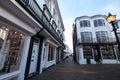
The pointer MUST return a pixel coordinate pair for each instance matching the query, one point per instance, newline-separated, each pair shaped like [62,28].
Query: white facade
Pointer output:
[29,43]
[15,27]
[53,14]
[90,41]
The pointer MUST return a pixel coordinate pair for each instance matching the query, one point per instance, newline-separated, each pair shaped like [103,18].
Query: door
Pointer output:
[97,54]
[34,58]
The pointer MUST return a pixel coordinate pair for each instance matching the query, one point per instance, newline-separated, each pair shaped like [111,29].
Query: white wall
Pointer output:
[24,57]
[40,3]
[93,29]
[107,27]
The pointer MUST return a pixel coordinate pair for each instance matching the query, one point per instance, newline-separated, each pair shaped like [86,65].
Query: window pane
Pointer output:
[86,36]
[3,32]
[12,52]
[99,22]
[95,23]
[85,23]
[118,36]
[87,50]
[81,25]
[102,36]
[107,52]
[50,53]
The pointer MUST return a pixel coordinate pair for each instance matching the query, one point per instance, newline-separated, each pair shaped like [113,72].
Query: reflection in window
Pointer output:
[87,50]
[85,23]
[50,53]
[99,22]
[54,15]
[86,37]
[102,36]
[107,52]
[3,33]
[118,36]
[11,52]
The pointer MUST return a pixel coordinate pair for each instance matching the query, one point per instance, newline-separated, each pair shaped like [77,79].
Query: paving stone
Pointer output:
[68,70]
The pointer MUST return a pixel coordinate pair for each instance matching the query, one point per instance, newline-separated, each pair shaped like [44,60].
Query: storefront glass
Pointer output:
[51,53]
[11,47]
[87,50]
[14,78]
[107,52]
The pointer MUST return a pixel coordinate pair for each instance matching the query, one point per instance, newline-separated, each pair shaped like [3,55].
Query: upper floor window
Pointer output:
[54,15]
[86,36]
[50,53]
[48,2]
[102,36]
[85,23]
[99,22]
[118,35]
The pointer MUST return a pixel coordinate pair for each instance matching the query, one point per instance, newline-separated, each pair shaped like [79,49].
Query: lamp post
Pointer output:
[112,20]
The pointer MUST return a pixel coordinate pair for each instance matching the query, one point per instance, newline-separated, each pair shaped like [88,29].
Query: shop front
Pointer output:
[105,54]
[11,51]
[48,54]
[34,56]
[51,56]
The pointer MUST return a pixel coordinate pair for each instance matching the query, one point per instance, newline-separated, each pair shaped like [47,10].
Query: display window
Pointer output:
[87,50]
[107,52]
[50,53]
[11,47]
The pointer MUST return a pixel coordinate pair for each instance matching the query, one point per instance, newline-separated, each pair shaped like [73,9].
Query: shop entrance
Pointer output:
[34,58]
[97,54]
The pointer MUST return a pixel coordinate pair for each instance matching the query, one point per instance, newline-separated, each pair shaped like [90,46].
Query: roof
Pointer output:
[90,16]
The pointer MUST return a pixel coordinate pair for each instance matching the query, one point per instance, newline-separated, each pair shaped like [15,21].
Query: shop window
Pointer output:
[50,53]
[11,47]
[87,50]
[107,52]
[14,78]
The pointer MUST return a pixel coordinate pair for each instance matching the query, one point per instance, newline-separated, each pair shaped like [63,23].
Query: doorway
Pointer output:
[34,57]
[97,54]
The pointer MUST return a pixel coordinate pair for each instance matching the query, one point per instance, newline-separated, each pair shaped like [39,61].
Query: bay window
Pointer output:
[85,23]
[99,22]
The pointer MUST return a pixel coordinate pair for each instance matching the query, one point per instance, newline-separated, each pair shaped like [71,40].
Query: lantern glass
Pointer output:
[111,18]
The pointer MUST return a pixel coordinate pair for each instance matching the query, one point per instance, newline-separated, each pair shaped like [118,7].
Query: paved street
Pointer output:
[68,70]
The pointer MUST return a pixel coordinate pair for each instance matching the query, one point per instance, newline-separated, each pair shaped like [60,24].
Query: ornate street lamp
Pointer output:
[112,20]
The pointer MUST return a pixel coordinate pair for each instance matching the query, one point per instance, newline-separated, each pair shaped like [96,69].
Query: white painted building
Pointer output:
[31,37]
[68,52]
[94,41]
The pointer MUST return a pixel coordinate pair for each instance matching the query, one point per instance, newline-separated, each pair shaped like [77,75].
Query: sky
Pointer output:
[70,9]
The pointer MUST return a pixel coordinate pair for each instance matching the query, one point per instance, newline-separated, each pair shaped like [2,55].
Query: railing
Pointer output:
[95,40]
[35,11]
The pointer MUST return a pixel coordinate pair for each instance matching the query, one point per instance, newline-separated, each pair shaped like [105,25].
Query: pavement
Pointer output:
[68,70]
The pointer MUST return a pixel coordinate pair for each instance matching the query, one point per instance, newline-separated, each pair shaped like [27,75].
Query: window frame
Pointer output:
[85,23]
[99,22]
[86,37]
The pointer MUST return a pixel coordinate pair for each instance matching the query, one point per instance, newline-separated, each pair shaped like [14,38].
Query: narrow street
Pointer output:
[68,70]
